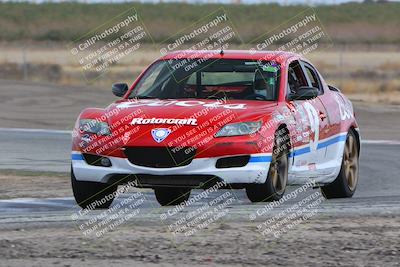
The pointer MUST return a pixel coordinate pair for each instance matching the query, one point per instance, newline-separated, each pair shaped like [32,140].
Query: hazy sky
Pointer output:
[283,2]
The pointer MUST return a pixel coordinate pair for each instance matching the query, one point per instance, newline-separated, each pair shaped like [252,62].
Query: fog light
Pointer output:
[232,162]
[105,162]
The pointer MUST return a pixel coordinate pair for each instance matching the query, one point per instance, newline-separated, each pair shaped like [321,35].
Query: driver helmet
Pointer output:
[265,81]
[260,84]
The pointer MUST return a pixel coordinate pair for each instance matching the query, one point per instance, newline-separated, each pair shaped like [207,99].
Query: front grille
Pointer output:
[160,157]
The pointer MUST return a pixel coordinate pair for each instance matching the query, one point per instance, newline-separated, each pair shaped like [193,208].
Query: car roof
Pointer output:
[278,56]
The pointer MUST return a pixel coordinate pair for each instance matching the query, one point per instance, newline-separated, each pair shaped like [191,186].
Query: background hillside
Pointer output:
[347,23]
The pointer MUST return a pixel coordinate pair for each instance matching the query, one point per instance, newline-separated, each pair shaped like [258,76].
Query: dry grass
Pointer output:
[375,91]
[346,23]
[366,75]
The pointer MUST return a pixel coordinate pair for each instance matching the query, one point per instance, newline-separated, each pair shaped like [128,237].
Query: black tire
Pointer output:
[270,190]
[169,196]
[345,184]
[92,195]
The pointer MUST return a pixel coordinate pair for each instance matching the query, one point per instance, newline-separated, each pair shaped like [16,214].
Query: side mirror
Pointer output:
[119,89]
[304,93]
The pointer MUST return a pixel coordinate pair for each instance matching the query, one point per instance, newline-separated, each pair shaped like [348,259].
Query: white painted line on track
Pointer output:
[381,142]
[30,200]
[26,130]
[52,131]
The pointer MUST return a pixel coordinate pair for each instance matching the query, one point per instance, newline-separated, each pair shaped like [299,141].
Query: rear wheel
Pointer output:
[168,196]
[92,195]
[275,184]
[346,183]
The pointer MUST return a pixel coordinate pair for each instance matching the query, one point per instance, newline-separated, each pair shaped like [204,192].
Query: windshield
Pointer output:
[209,79]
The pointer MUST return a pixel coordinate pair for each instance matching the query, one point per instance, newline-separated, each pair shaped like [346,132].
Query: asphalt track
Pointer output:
[378,190]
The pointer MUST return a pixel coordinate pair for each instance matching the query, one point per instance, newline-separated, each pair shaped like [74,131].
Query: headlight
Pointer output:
[241,128]
[94,126]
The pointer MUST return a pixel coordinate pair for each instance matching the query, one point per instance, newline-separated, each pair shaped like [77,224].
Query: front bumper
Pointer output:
[255,171]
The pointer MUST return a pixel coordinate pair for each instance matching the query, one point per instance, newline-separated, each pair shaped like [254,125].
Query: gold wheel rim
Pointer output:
[351,162]
[278,172]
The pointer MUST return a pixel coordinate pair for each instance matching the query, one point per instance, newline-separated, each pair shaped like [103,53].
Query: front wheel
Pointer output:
[275,184]
[92,195]
[169,196]
[346,183]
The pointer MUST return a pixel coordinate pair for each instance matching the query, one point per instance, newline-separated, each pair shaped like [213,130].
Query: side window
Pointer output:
[313,77]
[296,77]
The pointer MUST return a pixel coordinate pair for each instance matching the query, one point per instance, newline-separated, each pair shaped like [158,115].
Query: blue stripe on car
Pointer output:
[302,151]
[332,141]
[260,159]
[76,157]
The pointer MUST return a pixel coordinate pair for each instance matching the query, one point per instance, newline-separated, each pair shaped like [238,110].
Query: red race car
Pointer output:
[239,119]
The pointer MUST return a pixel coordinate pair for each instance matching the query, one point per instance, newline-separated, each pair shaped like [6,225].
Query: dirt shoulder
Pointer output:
[322,241]
[25,184]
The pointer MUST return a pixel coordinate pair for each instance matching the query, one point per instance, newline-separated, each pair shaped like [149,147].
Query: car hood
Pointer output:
[201,112]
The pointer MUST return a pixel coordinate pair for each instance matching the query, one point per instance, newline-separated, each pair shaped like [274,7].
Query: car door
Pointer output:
[320,116]
[311,122]
[338,110]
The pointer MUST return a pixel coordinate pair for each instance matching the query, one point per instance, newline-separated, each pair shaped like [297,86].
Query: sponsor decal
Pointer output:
[312,166]
[306,137]
[160,134]
[143,121]
[188,103]
[345,108]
